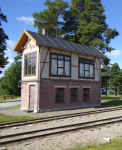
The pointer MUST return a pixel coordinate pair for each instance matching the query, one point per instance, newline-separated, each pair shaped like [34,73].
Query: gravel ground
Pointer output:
[10,103]
[70,139]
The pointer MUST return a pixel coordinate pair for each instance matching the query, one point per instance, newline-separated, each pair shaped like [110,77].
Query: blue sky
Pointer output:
[19,17]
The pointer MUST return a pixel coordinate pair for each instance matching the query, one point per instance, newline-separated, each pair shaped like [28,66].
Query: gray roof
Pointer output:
[65,45]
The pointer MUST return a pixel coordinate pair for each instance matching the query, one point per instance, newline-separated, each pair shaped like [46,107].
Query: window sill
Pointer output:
[73,101]
[59,102]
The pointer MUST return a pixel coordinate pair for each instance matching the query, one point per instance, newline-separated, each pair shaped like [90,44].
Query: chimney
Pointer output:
[44,31]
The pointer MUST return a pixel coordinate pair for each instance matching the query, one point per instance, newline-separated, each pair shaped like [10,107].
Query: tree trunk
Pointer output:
[106,90]
[56,25]
[115,91]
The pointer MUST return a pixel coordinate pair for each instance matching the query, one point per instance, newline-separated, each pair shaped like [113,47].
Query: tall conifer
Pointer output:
[88,25]
[49,18]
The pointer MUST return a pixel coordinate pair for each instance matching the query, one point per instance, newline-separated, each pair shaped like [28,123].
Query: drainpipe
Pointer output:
[100,80]
[39,76]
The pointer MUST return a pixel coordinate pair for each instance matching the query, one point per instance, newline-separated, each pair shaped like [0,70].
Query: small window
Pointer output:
[85,94]
[59,95]
[73,94]
[30,64]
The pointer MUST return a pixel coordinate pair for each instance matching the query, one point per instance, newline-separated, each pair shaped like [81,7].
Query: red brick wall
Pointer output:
[48,94]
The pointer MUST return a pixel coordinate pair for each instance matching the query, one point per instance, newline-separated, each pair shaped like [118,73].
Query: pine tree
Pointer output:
[49,18]
[105,75]
[114,77]
[3,38]
[89,25]
[120,82]
[71,18]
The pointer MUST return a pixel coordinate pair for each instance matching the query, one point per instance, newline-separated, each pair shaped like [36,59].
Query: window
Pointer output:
[73,94]
[86,68]
[30,64]
[85,93]
[60,65]
[59,94]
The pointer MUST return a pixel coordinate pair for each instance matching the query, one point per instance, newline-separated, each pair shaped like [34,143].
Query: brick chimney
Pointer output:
[44,31]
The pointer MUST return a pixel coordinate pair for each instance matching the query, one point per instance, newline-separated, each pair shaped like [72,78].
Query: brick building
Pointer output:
[58,74]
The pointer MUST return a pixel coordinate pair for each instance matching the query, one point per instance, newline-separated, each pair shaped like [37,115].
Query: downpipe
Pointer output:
[39,76]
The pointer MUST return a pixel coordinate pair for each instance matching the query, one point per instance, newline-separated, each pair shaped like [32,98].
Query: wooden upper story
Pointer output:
[57,63]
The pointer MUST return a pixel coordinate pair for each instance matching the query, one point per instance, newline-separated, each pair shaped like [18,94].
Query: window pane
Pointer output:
[33,65]
[91,62]
[59,94]
[86,61]
[81,60]
[60,63]
[67,68]
[29,61]
[53,67]
[53,56]
[26,64]
[86,73]
[29,55]
[67,58]
[86,94]
[26,56]
[60,71]
[81,70]
[33,54]
[86,66]
[91,71]
[60,57]
[29,69]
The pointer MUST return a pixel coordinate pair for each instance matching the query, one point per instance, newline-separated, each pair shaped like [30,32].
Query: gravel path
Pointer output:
[69,139]
[10,103]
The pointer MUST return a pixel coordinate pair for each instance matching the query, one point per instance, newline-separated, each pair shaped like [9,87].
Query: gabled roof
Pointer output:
[62,44]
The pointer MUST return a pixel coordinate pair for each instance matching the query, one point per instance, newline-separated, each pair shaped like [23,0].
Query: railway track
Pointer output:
[12,138]
[8,125]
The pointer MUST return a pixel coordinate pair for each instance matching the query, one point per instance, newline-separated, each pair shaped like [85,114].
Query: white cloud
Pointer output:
[28,20]
[10,43]
[114,53]
[8,53]
[6,67]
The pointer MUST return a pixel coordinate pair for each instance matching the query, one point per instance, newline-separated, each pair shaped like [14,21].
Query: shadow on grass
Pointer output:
[112,102]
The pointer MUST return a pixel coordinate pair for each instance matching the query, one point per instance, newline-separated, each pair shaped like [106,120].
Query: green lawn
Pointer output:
[14,107]
[115,144]
[8,98]
[7,119]
[111,96]
[111,102]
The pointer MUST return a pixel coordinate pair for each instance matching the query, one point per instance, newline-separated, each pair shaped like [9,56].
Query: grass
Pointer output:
[111,96]
[7,98]
[111,102]
[7,119]
[14,107]
[115,144]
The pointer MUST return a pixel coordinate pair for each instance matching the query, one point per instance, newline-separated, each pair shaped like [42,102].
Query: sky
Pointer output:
[19,17]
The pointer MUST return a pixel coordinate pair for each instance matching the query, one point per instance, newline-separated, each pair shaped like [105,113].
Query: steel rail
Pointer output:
[59,127]
[56,118]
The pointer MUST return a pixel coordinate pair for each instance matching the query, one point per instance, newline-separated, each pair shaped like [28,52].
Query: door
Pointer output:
[32,90]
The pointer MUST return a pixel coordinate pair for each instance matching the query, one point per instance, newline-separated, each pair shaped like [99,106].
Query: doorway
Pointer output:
[32,90]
